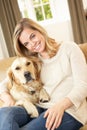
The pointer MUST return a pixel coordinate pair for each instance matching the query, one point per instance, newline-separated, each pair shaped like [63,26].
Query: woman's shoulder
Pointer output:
[68,45]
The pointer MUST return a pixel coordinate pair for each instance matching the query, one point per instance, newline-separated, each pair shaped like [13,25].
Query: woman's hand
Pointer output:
[55,114]
[7,99]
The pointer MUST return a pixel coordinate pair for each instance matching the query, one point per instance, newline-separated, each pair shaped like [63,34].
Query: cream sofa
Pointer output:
[5,63]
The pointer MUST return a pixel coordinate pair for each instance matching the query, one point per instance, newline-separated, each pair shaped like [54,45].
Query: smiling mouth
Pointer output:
[37,47]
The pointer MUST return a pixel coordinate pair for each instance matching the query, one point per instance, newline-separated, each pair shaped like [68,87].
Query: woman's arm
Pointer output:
[5,96]
[3,85]
[7,99]
[79,73]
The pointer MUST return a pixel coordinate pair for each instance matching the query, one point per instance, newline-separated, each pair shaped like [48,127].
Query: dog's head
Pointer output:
[24,70]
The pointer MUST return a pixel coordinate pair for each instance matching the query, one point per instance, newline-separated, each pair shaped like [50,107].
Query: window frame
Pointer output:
[29,6]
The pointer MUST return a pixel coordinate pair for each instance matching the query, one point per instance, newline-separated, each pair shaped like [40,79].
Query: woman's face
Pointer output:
[32,40]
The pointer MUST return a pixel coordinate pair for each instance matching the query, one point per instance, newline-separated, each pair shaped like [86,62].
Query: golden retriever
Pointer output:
[25,85]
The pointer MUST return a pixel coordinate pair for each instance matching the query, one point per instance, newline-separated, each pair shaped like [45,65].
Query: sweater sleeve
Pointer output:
[3,85]
[79,72]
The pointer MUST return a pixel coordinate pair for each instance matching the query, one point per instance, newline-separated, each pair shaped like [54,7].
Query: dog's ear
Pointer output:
[9,73]
[10,76]
[37,63]
[37,66]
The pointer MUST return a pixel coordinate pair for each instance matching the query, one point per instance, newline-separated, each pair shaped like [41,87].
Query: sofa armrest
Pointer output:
[4,65]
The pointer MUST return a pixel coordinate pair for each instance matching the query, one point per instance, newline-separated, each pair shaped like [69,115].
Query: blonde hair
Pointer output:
[51,45]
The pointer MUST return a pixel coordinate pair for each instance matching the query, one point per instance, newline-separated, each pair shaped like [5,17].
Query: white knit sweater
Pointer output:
[65,75]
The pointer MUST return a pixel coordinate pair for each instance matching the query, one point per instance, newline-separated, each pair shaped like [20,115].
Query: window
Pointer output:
[45,11]
[40,9]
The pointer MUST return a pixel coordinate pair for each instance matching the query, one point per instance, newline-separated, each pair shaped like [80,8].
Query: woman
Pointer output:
[64,74]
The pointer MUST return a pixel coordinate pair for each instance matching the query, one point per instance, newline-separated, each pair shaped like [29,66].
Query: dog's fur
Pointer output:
[25,85]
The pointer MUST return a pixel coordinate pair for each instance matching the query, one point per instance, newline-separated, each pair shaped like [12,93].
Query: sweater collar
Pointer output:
[49,60]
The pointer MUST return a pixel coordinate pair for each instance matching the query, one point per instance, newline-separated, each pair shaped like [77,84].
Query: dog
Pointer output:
[25,85]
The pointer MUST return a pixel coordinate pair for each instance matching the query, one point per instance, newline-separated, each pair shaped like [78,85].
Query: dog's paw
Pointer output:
[19,103]
[30,108]
[44,97]
[34,113]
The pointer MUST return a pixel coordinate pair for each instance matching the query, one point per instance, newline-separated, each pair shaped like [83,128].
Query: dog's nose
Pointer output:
[26,74]
[32,92]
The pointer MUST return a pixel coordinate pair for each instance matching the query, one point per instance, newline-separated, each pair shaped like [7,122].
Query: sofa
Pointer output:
[5,63]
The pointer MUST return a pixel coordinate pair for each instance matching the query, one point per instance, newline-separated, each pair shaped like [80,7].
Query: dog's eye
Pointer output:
[17,68]
[28,63]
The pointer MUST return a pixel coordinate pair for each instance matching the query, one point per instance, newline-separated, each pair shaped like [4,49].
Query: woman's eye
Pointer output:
[32,36]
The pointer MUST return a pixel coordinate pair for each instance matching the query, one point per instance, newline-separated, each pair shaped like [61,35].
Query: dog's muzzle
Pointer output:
[28,76]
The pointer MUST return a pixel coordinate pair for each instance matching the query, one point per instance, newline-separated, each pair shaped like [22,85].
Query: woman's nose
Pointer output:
[32,43]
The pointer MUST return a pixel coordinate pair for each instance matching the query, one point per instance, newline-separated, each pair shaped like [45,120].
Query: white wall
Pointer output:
[60,31]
